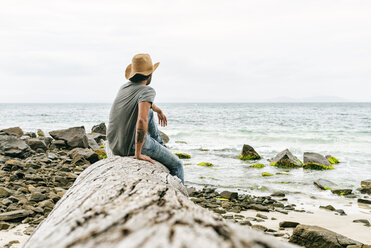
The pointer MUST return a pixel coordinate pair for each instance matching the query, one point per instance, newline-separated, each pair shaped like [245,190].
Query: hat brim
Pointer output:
[129,73]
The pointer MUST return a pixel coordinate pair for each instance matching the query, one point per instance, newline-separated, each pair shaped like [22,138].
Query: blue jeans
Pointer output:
[153,147]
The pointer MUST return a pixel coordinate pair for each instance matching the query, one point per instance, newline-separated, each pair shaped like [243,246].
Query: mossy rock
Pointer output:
[101,146]
[315,166]
[266,174]
[332,159]
[182,155]
[101,154]
[248,153]
[286,159]
[206,164]
[257,166]
[181,142]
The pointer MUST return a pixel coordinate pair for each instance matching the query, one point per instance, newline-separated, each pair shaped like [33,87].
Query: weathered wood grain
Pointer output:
[124,202]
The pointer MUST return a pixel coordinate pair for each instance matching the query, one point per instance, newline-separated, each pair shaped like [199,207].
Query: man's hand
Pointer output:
[144,157]
[162,120]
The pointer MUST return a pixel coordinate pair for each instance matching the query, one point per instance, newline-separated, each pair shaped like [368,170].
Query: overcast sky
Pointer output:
[209,51]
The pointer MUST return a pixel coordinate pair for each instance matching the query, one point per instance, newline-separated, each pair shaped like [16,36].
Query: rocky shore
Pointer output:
[36,170]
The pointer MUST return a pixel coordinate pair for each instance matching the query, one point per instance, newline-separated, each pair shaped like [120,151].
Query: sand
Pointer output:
[15,233]
[324,218]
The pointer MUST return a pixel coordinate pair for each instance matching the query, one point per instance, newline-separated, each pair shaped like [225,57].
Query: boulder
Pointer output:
[17,131]
[73,137]
[316,161]
[165,138]
[324,184]
[100,128]
[35,143]
[13,146]
[342,191]
[79,153]
[248,153]
[315,236]
[285,159]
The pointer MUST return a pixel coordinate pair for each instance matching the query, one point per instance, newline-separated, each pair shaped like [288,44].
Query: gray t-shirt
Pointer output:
[124,114]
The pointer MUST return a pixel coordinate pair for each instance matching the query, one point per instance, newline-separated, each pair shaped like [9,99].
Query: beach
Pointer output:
[215,134]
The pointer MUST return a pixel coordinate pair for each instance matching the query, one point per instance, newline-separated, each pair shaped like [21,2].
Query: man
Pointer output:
[132,129]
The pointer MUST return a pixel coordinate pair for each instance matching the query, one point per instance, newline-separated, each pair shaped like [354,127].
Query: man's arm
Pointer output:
[141,130]
[162,120]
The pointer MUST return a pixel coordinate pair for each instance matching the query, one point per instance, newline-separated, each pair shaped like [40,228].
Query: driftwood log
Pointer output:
[124,202]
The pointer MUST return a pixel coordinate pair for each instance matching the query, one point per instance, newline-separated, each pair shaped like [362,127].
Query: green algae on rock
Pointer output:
[266,174]
[315,166]
[206,164]
[182,155]
[285,159]
[257,166]
[332,159]
[248,153]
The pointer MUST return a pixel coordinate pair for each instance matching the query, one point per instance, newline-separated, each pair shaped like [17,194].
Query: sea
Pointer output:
[216,133]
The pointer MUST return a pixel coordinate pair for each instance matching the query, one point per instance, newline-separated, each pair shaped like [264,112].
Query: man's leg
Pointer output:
[153,129]
[161,154]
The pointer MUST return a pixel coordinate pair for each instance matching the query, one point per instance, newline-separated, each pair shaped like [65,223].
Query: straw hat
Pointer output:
[140,64]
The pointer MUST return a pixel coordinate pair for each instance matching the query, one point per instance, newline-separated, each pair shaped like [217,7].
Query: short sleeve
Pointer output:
[147,95]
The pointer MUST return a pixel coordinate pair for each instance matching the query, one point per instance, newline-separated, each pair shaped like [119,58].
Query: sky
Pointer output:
[209,51]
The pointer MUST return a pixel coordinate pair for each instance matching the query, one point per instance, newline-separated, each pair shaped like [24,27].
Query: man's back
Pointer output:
[124,114]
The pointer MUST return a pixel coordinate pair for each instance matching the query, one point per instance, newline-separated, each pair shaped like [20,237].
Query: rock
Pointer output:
[37,196]
[278,194]
[328,207]
[182,155]
[364,201]
[97,136]
[73,137]
[364,221]
[332,159]
[366,183]
[35,143]
[4,192]
[40,133]
[4,225]
[266,174]
[229,195]
[30,134]
[17,131]
[14,147]
[316,161]
[288,224]
[324,184]
[16,214]
[259,227]
[206,164]
[100,128]
[101,153]
[258,207]
[342,191]
[165,138]
[248,153]
[88,154]
[92,143]
[315,236]
[262,216]
[285,159]
[58,143]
